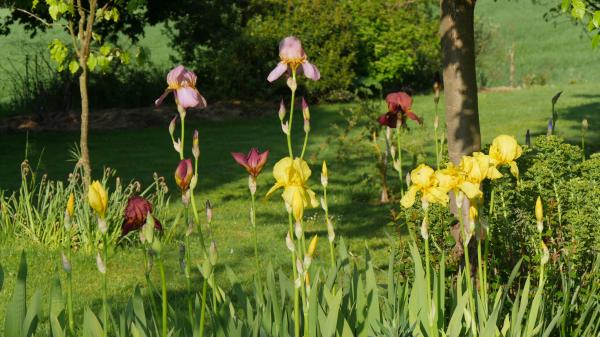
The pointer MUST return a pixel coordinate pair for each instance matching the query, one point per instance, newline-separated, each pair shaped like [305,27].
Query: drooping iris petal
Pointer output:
[389,119]
[277,72]
[311,71]
[187,97]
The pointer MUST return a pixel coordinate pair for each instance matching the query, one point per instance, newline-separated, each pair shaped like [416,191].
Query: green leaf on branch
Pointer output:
[92,62]
[105,49]
[596,19]
[58,53]
[73,66]
[578,10]
[565,5]
[596,41]
[125,57]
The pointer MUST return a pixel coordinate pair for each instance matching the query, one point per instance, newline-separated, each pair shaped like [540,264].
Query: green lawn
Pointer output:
[136,154]
[557,51]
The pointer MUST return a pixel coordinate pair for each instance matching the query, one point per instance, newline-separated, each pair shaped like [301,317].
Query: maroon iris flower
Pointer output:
[135,215]
[399,107]
[184,174]
[253,162]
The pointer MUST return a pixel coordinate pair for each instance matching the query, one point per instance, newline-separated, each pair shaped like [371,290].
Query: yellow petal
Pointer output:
[313,198]
[71,204]
[297,205]
[303,169]
[493,173]
[539,209]
[421,176]
[312,246]
[514,169]
[273,189]
[470,190]
[436,195]
[288,194]
[409,197]
[281,170]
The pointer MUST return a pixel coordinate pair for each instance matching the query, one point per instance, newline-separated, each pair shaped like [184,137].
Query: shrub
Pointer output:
[352,43]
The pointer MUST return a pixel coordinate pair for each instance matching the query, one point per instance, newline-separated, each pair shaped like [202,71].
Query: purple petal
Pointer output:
[253,157]
[240,158]
[187,97]
[162,97]
[202,103]
[262,160]
[277,72]
[311,71]
[174,75]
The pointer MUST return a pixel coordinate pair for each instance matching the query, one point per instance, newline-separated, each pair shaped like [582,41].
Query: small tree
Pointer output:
[90,25]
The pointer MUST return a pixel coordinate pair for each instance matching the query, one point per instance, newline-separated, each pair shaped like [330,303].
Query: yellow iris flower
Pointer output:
[292,175]
[98,198]
[453,179]
[478,167]
[504,151]
[424,180]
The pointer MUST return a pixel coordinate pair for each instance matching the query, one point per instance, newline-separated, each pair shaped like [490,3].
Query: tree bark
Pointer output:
[84,53]
[85,111]
[460,80]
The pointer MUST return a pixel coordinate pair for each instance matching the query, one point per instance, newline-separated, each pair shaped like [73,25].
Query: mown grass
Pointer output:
[136,154]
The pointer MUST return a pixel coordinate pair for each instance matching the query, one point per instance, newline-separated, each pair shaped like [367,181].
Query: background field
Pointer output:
[558,51]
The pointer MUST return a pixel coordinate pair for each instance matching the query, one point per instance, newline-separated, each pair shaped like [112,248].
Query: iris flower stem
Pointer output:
[304,145]
[427,272]
[163,282]
[182,136]
[214,292]
[296,290]
[291,120]
[70,289]
[435,135]
[400,175]
[104,285]
[331,250]
[253,215]
[150,284]
[467,267]
[187,270]
[305,305]
[480,264]
[583,144]
[203,310]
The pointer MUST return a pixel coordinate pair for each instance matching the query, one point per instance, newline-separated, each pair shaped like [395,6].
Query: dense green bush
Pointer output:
[353,43]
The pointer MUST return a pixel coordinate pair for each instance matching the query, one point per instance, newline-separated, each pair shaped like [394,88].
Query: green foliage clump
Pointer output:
[353,43]
[568,187]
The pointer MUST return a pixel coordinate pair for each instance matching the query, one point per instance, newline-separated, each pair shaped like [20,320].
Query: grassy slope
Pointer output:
[138,153]
[557,49]
[16,47]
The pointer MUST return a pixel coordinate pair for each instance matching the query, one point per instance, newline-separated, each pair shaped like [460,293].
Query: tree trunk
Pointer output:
[460,81]
[85,111]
